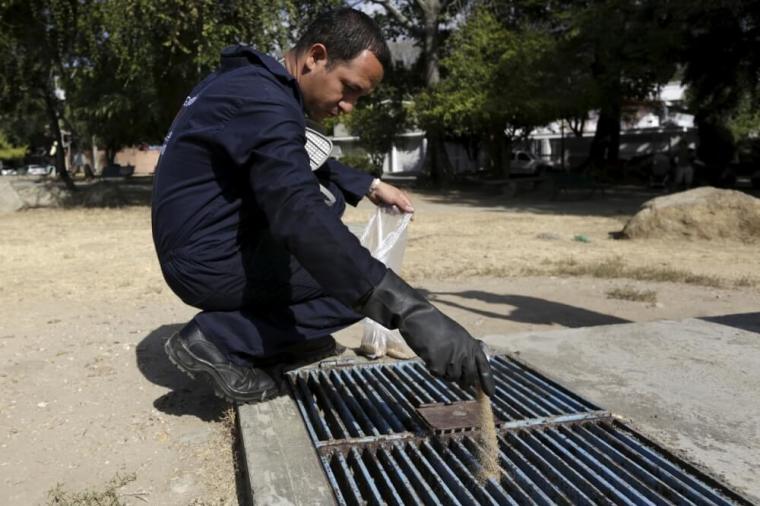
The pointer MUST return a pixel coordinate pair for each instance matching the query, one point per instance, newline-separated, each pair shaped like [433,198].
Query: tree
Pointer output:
[37,53]
[381,116]
[125,66]
[145,56]
[721,69]
[425,21]
[615,52]
[495,85]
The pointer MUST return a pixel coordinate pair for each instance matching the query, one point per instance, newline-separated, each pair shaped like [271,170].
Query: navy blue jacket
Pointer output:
[233,166]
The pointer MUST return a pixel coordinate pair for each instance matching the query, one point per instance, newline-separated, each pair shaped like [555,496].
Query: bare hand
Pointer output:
[385,194]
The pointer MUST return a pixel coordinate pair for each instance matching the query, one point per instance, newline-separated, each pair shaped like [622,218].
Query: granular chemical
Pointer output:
[489,453]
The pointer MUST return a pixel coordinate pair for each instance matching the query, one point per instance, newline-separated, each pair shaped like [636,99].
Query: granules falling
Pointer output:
[489,453]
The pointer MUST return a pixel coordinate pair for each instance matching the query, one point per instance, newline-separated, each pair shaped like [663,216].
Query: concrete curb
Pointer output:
[281,464]
[280,461]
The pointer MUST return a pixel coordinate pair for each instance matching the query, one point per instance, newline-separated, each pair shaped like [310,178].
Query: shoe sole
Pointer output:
[191,365]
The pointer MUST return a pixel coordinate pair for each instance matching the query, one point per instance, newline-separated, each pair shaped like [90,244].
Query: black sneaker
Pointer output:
[192,352]
[301,354]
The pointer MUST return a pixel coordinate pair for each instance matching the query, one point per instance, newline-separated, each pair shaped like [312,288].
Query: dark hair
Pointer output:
[345,33]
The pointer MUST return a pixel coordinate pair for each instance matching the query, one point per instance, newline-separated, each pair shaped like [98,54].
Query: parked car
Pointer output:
[525,163]
[40,170]
[8,172]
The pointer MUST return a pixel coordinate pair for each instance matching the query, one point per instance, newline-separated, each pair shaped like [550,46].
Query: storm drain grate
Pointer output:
[372,400]
[555,448]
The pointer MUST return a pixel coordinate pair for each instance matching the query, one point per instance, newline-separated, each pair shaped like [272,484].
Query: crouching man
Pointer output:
[249,234]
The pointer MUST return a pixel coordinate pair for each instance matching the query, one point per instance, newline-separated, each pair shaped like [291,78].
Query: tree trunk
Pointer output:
[110,156]
[437,160]
[438,163]
[493,154]
[505,155]
[430,48]
[94,151]
[605,148]
[716,149]
[60,158]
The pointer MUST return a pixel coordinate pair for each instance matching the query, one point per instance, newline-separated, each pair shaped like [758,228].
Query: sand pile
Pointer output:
[703,213]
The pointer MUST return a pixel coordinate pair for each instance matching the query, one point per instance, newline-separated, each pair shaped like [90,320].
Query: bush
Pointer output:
[361,162]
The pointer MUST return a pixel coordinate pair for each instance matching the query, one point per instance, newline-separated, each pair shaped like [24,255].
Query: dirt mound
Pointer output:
[702,213]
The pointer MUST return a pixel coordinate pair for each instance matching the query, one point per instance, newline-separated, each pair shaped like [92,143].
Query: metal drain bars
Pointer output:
[598,462]
[554,447]
[371,400]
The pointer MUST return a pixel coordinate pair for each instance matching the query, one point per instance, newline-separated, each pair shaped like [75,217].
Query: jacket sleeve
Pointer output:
[266,138]
[353,183]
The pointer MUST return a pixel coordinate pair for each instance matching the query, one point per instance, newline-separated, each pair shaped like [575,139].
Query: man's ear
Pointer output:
[316,56]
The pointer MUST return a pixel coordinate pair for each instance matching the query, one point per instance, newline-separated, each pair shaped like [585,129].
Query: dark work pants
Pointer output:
[269,303]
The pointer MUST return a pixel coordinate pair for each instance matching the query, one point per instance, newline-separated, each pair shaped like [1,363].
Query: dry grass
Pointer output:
[220,489]
[745,282]
[628,292]
[616,268]
[109,496]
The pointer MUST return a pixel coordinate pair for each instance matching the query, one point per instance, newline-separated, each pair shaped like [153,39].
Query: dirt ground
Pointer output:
[90,405]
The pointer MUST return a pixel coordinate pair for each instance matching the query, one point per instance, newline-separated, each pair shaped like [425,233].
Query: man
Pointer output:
[243,231]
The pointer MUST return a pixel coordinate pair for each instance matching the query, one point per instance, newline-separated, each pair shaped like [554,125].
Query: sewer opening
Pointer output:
[370,400]
[394,434]
[598,462]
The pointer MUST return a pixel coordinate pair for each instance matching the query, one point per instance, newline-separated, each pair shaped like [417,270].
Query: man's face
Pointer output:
[334,90]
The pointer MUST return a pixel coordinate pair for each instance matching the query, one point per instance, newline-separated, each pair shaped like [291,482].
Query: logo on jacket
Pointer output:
[166,141]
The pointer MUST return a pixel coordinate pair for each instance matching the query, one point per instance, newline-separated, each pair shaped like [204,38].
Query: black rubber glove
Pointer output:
[446,347]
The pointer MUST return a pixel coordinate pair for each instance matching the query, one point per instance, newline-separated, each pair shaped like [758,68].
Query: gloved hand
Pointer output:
[446,347]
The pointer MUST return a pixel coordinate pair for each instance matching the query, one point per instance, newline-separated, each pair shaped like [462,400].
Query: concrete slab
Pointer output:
[692,385]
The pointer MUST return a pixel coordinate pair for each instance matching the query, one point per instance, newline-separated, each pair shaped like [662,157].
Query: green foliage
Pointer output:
[10,152]
[494,78]
[126,65]
[721,67]
[719,51]
[38,43]
[146,55]
[376,124]
[373,125]
[630,46]
[744,123]
[361,161]
[491,79]
[381,116]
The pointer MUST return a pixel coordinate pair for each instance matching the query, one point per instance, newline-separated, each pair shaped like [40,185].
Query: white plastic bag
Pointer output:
[385,238]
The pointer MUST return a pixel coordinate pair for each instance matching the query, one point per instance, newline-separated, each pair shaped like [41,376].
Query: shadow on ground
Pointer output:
[744,321]
[618,200]
[113,192]
[521,308]
[187,396]
[623,200]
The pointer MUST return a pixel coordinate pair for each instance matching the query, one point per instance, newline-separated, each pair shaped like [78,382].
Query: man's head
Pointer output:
[340,57]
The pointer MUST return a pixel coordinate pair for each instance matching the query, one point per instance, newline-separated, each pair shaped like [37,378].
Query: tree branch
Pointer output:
[396,14]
